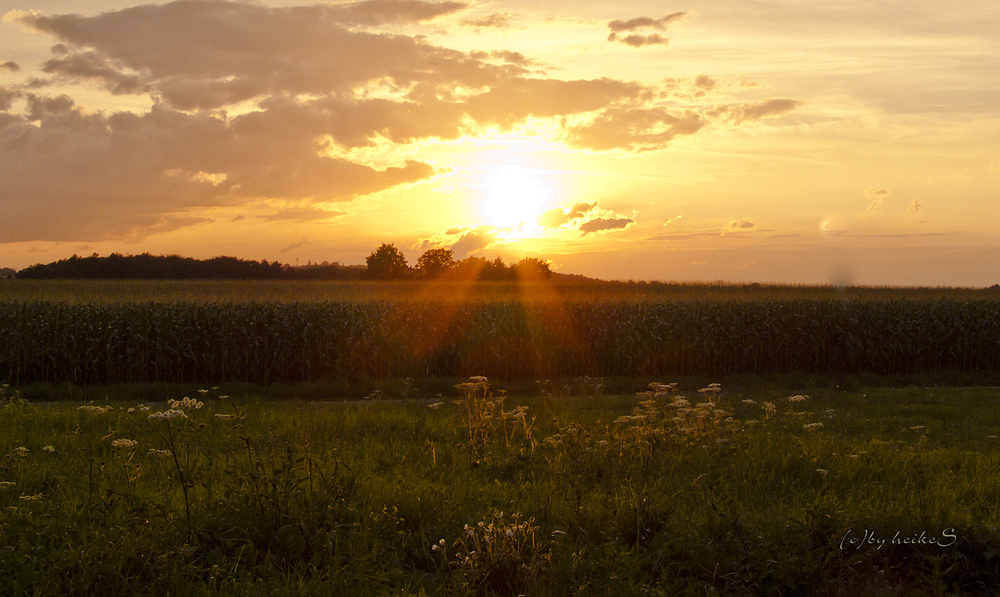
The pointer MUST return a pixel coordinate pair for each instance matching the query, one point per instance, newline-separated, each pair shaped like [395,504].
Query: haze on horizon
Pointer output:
[774,141]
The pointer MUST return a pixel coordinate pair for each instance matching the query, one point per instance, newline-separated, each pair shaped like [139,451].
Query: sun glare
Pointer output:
[514,196]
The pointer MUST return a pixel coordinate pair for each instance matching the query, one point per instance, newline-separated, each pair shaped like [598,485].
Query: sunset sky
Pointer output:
[764,141]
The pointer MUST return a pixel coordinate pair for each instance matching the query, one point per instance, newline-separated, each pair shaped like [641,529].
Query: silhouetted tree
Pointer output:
[530,269]
[387,263]
[435,262]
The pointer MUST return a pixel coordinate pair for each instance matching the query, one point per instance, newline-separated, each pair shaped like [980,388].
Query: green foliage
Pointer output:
[387,263]
[276,342]
[381,499]
[434,262]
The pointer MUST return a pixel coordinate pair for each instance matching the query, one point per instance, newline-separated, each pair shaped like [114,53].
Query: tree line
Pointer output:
[385,263]
[388,263]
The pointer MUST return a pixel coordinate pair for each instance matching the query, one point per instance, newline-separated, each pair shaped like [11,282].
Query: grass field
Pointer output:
[868,492]
[582,481]
[231,291]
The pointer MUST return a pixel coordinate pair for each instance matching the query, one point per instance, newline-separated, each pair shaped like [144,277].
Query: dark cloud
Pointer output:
[605,224]
[391,12]
[11,66]
[89,65]
[210,53]
[69,175]
[7,97]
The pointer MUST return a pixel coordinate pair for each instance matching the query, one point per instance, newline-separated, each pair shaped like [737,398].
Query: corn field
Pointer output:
[271,342]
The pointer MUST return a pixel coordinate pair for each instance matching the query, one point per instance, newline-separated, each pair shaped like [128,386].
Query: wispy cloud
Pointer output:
[642,24]
[497,20]
[876,200]
[605,224]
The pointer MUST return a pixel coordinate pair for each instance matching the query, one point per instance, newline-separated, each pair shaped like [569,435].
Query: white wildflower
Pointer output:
[186,403]
[159,453]
[22,452]
[166,415]
[797,398]
[48,449]
[812,426]
[124,443]
[94,410]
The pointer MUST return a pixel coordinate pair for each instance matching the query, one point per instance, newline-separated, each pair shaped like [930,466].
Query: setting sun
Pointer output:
[514,196]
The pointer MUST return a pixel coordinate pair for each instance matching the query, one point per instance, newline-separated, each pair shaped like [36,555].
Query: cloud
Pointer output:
[637,40]
[497,20]
[391,12]
[876,198]
[69,175]
[661,23]
[559,216]
[302,215]
[251,102]
[7,97]
[605,224]
[739,225]
[672,236]
[301,244]
[475,239]
[11,66]
[583,216]
[737,114]
[635,128]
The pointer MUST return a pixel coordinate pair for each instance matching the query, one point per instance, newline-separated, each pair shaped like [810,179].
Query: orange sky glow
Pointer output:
[773,141]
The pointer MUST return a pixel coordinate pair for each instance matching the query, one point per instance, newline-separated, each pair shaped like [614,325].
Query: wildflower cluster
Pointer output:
[167,415]
[119,444]
[94,410]
[488,422]
[666,417]
[501,556]
[185,404]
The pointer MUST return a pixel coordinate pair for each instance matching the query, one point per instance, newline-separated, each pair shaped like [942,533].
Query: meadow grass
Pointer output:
[677,491]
